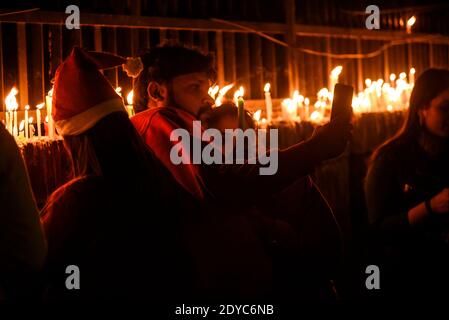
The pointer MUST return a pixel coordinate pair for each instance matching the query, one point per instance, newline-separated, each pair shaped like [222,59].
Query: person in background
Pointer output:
[407,195]
[22,243]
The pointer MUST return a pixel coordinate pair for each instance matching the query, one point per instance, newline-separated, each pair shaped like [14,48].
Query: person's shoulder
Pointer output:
[76,191]
[393,153]
[146,119]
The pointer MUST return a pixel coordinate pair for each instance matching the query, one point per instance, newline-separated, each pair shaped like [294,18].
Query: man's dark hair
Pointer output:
[166,62]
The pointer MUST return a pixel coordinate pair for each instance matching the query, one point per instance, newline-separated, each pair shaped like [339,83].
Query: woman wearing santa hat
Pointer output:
[101,243]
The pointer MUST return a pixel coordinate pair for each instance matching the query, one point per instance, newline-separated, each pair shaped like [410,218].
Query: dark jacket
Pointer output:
[401,177]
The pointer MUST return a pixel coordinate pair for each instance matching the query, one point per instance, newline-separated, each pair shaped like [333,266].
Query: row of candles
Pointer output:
[25,129]
[378,96]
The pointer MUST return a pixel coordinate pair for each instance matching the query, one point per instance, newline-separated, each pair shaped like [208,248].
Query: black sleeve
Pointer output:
[384,196]
[243,182]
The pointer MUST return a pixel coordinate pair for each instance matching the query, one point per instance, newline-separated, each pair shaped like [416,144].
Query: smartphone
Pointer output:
[342,102]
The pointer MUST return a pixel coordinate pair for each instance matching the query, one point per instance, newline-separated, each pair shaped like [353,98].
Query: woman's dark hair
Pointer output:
[166,62]
[113,150]
[429,85]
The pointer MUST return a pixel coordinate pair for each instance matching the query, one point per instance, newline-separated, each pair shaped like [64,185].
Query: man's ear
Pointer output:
[157,91]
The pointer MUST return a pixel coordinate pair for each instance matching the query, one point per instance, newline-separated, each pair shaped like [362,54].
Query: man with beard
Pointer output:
[229,246]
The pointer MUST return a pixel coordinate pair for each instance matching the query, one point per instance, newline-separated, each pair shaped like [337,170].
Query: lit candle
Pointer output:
[307,109]
[241,110]
[335,73]
[51,126]
[268,101]
[15,131]
[30,126]
[392,78]
[129,107]
[21,129]
[412,76]
[11,120]
[256,117]
[221,94]
[11,105]
[213,91]
[27,107]
[7,120]
[38,118]
[46,125]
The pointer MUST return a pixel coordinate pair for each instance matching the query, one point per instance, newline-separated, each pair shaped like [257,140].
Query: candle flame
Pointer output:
[40,105]
[119,91]
[402,75]
[295,94]
[219,101]
[11,101]
[225,89]
[27,107]
[316,116]
[291,107]
[368,82]
[46,119]
[307,101]
[130,97]
[412,71]
[411,21]
[213,91]
[256,115]
[30,120]
[267,86]
[238,93]
[22,125]
[221,94]
[336,72]
[392,77]
[323,93]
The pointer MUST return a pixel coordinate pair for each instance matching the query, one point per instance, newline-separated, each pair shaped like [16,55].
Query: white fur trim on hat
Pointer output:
[87,119]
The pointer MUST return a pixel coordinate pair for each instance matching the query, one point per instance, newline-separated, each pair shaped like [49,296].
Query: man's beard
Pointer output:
[172,102]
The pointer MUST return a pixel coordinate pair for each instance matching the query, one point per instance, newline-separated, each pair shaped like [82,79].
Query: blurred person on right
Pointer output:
[407,194]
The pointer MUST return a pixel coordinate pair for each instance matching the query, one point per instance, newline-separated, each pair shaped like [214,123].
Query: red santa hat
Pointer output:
[82,95]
